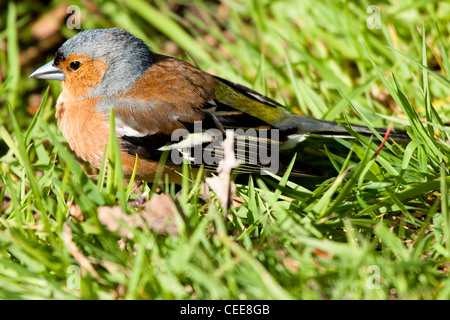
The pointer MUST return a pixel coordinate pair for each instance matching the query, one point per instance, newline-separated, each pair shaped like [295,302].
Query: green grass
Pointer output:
[386,213]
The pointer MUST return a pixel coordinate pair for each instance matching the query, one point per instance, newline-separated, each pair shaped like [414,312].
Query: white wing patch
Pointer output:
[124,130]
[293,140]
[190,141]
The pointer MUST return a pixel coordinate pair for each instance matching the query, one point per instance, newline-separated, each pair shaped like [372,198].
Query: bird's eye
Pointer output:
[75,65]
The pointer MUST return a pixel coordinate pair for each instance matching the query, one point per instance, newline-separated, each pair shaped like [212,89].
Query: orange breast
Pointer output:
[85,129]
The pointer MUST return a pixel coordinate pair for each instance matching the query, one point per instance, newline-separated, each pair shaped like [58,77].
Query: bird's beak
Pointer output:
[48,71]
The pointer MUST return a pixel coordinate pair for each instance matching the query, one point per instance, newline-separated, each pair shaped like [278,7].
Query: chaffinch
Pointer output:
[155,96]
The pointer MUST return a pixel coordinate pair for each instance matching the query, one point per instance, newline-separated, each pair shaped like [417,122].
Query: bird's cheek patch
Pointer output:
[82,81]
[96,71]
[92,72]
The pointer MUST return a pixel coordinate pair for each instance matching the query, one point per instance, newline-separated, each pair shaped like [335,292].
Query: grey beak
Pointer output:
[48,71]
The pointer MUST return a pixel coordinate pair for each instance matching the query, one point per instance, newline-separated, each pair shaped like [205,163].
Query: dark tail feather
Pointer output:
[304,125]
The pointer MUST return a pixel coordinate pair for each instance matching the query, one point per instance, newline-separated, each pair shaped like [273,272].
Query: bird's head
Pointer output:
[98,63]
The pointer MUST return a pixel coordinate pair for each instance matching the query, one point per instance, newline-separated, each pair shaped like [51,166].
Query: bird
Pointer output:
[163,104]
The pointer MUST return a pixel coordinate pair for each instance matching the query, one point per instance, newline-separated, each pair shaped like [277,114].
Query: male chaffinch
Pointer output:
[154,95]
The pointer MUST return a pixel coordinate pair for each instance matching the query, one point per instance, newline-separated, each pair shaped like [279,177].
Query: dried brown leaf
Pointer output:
[159,213]
[110,216]
[75,213]
[83,262]
[292,264]
[49,23]
[221,184]
[322,254]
